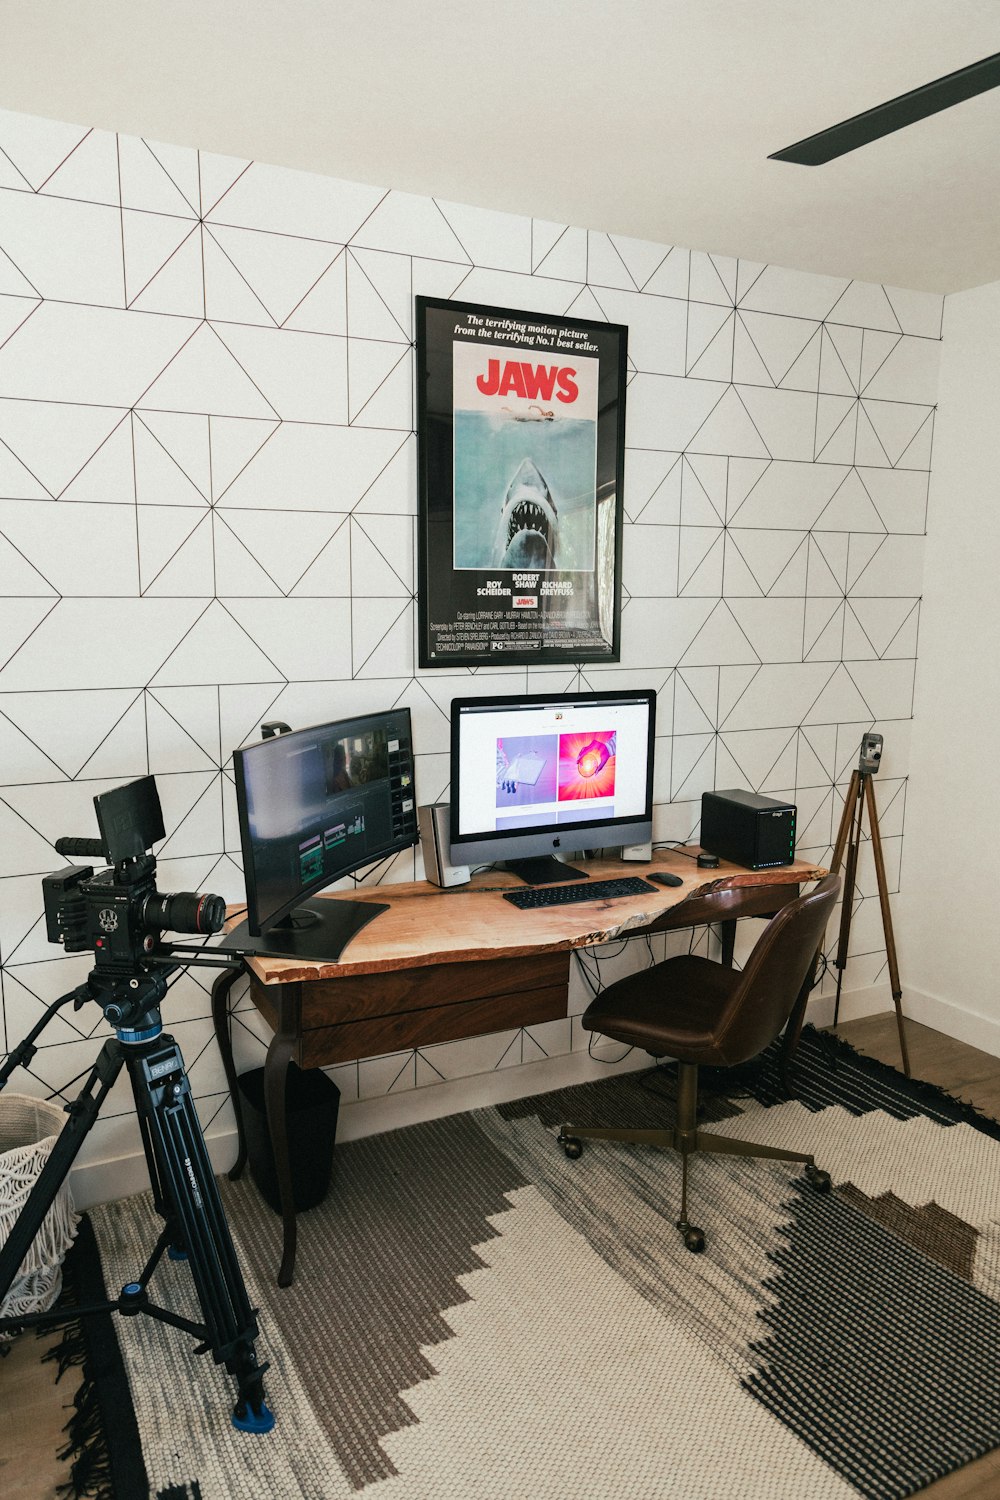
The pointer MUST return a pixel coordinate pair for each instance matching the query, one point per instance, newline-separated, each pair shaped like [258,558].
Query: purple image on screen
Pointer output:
[526,768]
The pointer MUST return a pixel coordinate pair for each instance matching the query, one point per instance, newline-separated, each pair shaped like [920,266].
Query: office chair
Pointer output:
[703,1013]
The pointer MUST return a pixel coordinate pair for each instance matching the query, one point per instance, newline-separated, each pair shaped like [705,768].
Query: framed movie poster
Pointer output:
[521,435]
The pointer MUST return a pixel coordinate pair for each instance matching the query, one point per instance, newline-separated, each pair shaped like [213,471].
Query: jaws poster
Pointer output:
[521,431]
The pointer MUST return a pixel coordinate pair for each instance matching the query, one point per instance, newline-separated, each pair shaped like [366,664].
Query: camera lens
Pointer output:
[184,911]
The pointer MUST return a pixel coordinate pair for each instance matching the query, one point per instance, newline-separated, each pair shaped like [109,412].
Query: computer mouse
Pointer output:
[663,877]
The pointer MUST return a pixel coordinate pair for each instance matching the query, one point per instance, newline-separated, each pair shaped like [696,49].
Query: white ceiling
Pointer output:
[648,118]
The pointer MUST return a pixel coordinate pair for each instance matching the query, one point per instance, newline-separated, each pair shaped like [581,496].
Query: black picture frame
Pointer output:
[520,486]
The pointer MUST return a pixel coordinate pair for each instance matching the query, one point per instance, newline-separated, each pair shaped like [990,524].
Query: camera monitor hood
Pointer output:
[130,819]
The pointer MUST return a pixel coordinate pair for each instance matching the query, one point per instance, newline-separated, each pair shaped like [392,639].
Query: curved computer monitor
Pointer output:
[534,776]
[315,805]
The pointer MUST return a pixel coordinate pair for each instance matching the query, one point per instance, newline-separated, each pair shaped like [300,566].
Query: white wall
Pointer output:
[947,926]
[208,518]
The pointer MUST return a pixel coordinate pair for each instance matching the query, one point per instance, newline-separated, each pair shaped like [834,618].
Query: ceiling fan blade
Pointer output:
[894,114]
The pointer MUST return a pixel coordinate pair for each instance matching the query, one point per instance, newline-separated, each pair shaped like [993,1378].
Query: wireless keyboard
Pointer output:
[581,890]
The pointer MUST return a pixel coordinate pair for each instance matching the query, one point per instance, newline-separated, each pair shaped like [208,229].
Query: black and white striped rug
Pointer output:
[475,1317]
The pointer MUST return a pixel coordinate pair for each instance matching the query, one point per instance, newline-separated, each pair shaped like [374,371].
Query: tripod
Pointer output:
[861,794]
[185,1193]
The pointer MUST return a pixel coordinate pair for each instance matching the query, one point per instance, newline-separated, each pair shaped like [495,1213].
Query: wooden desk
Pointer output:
[440,965]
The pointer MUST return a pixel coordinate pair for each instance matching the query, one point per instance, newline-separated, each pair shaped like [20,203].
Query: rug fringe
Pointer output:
[87,1449]
[70,1352]
[90,1471]
[87,1446]
[962,1110]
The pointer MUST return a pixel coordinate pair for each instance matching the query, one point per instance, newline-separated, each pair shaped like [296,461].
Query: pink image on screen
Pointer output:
[586,765]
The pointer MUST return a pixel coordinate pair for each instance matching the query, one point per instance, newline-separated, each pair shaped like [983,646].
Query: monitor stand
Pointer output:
[316,931]
[545,870]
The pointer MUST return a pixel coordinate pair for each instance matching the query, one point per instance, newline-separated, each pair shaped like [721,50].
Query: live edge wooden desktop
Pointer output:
[441,965]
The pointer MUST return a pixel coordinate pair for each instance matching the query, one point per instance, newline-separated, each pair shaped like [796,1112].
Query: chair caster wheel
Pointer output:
[819,1179]
[694,1238]
[572,1147]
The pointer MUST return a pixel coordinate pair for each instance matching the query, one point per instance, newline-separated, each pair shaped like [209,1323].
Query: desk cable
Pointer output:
[595,983]
[677,846]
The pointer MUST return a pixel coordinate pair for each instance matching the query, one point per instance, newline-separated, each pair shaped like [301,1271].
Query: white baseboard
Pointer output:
[103,1181]
[870,1001]
[119,1177]
[965,1025]
[957,1021]
[373,1116]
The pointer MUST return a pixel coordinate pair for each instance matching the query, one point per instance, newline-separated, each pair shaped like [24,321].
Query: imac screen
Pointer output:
[549,766]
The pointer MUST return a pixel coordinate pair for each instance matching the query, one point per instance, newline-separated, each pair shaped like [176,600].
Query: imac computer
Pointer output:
[538,775]
[315,805]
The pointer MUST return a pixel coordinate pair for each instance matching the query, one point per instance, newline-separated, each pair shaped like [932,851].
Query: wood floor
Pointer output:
[31,1420]
[32,1407]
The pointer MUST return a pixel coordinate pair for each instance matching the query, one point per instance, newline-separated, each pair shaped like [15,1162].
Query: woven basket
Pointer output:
[28,1130]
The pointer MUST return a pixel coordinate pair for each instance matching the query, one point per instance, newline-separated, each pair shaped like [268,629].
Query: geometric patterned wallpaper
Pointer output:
[207,518]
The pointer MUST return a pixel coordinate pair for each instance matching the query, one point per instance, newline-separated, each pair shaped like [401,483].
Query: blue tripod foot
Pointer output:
[254,1421]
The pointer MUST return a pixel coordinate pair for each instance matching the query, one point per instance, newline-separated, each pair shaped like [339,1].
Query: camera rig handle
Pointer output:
[88,848]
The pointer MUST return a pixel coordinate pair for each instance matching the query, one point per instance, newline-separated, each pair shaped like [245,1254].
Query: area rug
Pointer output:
[475,1317]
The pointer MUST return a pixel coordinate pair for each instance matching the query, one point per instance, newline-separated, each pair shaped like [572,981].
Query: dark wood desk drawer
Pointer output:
[323,1045]
[329,1001]
[337,1020]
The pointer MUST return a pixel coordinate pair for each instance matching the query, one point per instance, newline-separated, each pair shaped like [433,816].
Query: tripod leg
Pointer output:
[846,819]
[82,1114]
[850,875]
[890,941]
[191,1198]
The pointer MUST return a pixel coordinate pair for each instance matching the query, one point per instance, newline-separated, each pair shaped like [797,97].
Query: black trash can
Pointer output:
[311,1103]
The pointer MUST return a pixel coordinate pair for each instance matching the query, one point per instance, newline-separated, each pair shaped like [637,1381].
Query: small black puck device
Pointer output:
[751,830]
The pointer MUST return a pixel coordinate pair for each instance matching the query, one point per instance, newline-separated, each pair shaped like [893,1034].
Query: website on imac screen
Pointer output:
[529,767]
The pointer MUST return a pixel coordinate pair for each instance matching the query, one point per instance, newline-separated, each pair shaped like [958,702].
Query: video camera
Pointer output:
[119,913]
[871,753]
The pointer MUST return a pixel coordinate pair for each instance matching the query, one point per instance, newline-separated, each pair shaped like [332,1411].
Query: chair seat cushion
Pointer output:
[673,1009]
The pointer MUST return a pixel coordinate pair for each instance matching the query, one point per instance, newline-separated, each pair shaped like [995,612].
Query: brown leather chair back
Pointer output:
[774,974]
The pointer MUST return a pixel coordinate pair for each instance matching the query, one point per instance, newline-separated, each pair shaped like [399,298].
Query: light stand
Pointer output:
[861,795]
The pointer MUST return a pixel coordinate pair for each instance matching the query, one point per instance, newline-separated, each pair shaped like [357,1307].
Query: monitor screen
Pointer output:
[314,806]
[537,775]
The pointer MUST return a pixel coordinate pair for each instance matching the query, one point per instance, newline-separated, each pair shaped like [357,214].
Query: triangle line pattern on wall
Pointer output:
[780,504]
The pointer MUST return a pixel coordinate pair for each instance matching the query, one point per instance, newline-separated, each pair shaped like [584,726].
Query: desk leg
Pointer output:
[223,1035]
[727,935]
[279,1055]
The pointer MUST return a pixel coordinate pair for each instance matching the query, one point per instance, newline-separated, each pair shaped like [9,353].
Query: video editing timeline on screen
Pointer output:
[354,768]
